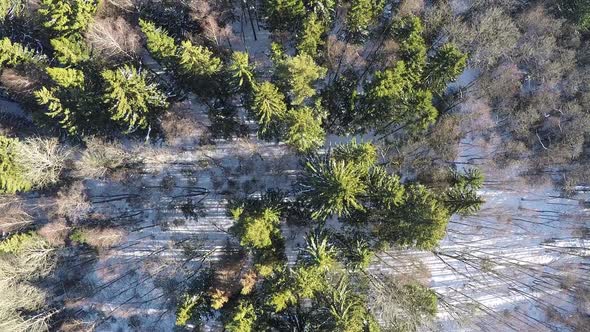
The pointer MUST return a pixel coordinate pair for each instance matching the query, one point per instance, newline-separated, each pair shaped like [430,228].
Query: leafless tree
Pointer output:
[113,39]
[55,232]
[14,216]
[411,7]
[72,202]
[42,160]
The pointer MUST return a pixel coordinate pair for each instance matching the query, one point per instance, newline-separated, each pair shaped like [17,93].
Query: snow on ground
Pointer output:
[177,210]
[519,264]
[516,265]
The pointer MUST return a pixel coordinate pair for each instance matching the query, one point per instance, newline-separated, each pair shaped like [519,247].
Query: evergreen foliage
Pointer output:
[70,50]
[241,70]
[305,130]
[198,61]
[299,73]
[402,94]
[67,119]
[24,257]
[385,190]
[362,14]
[421,221]
[12,54]
[408,30]
[132,99]
[258,228]
[347,310]
[12,177]
[284,14]
[446,65]
[576,10]
[66,77]
[311,36]
[332,187]
[11,8]
[183,314]
[66,17]
[269,107]
[159,43]
[242,319]
[324,9]
[319,252]
[462,197]
[362,155]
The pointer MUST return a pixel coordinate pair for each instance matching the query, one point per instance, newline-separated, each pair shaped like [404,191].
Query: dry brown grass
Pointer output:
[99,158]
[76,326]
[18,84]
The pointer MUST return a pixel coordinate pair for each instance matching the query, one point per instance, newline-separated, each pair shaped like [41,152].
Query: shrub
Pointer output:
[24,257]
[98,238]
[72,202]
[100,157]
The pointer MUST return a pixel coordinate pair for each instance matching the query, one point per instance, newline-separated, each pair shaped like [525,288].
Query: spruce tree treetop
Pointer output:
[258,229]
[324,9]
[284,14]
[197,60]
[132,99]
[243,318]
[300,73]
[56,109]
[269,105]
[240,69]
[332,187]
[363,155]
[305,130]
[70,50]
[311,36]
[361,14]
[408,31]
[12,54]
[66,77]
[446,65]
[421,221]
[159,43]
[67,17]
